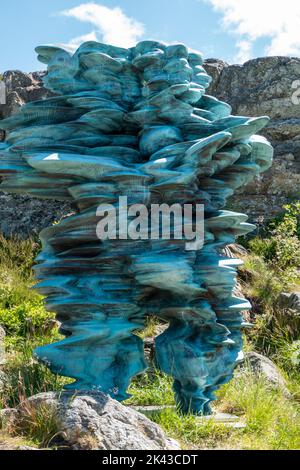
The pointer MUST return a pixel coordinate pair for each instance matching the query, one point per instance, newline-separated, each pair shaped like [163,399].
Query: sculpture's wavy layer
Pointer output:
[136,122]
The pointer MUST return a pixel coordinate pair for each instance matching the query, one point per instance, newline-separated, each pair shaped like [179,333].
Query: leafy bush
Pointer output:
[22,312]
[281,246]
[28,319]
[289,356]
[288,220]
[260,283]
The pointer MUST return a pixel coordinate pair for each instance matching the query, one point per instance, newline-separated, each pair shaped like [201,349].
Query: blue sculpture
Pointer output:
[136,122]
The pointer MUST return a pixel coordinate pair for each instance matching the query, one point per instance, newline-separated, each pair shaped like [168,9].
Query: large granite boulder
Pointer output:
[94,421]
[262,366]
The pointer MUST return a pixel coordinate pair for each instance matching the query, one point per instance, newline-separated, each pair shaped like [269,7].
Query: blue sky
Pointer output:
[233,30]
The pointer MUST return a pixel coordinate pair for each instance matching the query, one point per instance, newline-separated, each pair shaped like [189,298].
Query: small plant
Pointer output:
[38,423]
[25,376]
[289,356]
[288,221]
[28,319]
[18,255]
[281,245]
[150,329]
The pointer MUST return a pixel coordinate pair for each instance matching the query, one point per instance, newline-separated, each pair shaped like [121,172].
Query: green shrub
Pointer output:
[281,252]
[280,244]
[274,327]
[22,312]
[28,319]
[288,220]
[260,283]
[264,248]
[288,355]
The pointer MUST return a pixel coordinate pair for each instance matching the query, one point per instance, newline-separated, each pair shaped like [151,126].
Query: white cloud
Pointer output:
[256,19]
[112,25]
[244,51]
[72,45]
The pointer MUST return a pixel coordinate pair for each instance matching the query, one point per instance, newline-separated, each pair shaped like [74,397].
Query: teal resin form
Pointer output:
[136,122]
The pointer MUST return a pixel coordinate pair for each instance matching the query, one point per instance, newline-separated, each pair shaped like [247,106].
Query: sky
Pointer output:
[232,30]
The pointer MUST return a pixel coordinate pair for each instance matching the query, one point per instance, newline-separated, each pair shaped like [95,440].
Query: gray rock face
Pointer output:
[96,421]
[20,89]
[8,416]
[26,216]
[262,366]
[290,300]
[3,379]
[266,86]
[214,68]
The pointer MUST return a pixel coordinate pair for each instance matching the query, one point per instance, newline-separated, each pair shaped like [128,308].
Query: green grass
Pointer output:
[191,432]
[150,329]
[40,424]
[272,420]
[26,376]
[9,442]
[26,322]
[151,388]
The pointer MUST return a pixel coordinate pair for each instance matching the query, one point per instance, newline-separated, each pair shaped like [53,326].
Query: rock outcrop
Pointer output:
[94,421]
[265,86]
[21,88]
[290,300]
[269,85]
[26,216]
[263,367]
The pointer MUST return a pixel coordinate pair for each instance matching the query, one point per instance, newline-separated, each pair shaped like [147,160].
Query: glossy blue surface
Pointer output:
[136,122]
